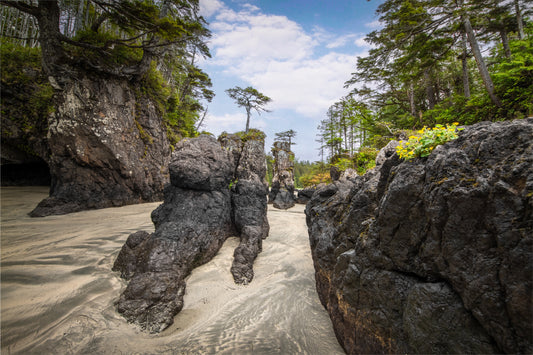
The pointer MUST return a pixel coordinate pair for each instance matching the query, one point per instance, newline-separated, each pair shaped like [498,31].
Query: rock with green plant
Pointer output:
[249,190]
[217,189]
[282,190]
[108,147]
[432,254]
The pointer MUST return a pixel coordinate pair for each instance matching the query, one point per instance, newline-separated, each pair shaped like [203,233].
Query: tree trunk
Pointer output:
[430,92]
[519,20]
[247,119]
[505,43]
[52,51]
[484,72]
[411,96]
[464,61]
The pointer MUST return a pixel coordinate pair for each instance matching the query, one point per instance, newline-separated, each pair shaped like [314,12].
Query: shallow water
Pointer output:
[58,290]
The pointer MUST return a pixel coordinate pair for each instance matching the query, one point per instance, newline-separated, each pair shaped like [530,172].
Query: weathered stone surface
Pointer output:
[201,209]
[212,172]
[433,255]
[282,189]
[249,202]
[108,148]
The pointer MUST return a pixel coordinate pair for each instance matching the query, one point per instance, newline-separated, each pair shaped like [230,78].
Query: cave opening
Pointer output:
[34,173]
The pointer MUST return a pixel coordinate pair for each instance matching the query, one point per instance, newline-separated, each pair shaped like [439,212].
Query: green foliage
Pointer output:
[366,159]
[252,134]
[317,174]
[422,144]
[250,99]
[423,72]
[26,93]
[112,56]
[301,168]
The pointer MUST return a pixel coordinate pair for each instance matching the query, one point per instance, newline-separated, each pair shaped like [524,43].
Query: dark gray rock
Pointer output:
[335,173]
[433,255]
[213,171]
[198,214]
[282,189]
[249,202]
[108,147]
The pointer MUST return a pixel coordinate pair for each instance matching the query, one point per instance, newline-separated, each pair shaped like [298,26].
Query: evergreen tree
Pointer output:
[250,99]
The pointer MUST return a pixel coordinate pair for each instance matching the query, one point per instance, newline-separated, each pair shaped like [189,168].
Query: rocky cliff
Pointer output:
[107,144]
[217,190]
[282,191]
[433,255]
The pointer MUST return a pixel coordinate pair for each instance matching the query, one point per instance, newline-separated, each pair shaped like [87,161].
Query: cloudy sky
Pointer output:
[297,52]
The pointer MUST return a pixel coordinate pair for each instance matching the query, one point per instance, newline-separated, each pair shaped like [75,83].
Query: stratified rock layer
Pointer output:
[433,255]
[108,148]
[282,189]
[203,206]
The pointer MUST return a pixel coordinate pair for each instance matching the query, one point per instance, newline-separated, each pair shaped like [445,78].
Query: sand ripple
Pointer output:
[58,291]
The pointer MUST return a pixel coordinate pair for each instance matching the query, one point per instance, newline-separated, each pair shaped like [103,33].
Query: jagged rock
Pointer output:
[282,190]
[305,194]
[334,173]
[108,147]
[433,255]
[249,203]
[209,199]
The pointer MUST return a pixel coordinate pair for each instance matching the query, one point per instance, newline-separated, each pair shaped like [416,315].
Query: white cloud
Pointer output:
[232,122]
[309,86]
[209,7]
[374,24]
[361,42]
[279,58]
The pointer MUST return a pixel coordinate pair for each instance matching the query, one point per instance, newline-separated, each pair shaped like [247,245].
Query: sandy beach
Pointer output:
[58,290]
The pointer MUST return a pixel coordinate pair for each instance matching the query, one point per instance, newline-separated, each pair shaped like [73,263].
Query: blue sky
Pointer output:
[298,52]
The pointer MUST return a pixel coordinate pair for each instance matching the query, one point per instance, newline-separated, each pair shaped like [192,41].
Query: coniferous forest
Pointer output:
[432,63]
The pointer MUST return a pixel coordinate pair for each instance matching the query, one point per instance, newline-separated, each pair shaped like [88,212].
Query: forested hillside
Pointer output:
[433,62]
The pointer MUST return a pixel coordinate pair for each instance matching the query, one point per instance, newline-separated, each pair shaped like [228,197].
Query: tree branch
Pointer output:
[21,6]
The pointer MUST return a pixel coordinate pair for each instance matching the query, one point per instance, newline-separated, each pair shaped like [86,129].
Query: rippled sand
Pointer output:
[57,288]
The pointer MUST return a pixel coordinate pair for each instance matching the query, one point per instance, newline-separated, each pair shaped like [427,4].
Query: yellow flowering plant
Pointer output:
[426,139]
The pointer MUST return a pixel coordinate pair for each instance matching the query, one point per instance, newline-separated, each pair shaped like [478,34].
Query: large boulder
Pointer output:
[108,147]
[282,190]
[433,255]
[215,192]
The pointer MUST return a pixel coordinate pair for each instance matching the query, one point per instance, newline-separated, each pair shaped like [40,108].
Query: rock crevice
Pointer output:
[209,199]
[432,255]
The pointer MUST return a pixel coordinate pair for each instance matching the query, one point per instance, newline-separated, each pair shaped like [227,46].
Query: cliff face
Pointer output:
[433,255]
[216,191]
[108,147]
[282,190]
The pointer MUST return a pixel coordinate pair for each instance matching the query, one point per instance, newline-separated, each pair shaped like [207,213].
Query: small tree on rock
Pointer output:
[286,136]
[249,98]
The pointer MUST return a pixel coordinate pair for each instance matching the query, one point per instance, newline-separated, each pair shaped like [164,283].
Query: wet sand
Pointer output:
[58,290]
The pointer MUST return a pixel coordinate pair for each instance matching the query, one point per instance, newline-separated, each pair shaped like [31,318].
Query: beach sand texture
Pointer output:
[58,290]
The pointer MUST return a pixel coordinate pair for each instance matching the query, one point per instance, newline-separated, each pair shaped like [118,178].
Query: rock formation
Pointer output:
[108,147]
[249,202]
[433,255]
[282,190]
[215,192]
[305,194]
